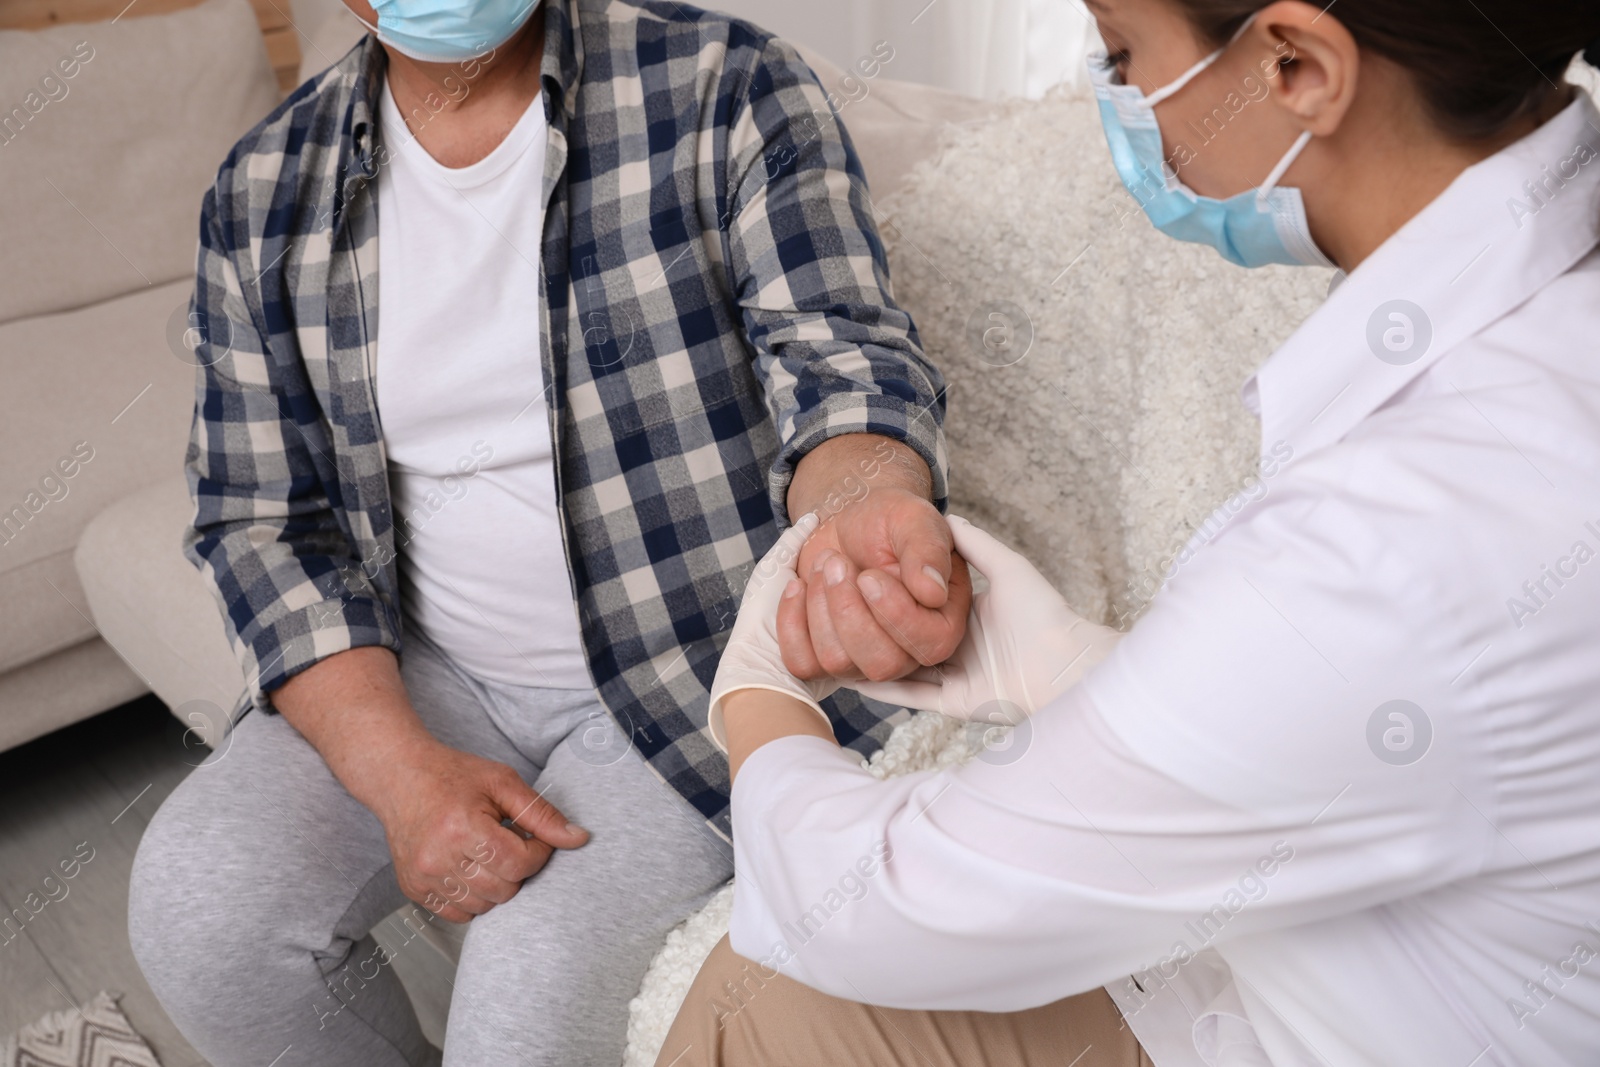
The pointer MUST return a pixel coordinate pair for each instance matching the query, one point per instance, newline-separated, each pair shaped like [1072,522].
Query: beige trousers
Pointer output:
[739,1015]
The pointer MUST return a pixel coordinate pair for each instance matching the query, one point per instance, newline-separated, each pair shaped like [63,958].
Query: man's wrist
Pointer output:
[375,773]
[844,469]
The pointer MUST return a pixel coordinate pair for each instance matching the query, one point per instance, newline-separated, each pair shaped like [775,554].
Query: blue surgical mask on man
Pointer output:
[1252,229]
[448,31]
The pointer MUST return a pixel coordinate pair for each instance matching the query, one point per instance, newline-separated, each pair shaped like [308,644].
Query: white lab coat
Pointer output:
[1231,823]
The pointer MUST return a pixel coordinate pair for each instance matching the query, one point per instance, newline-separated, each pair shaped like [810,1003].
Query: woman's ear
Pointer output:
[1319,63]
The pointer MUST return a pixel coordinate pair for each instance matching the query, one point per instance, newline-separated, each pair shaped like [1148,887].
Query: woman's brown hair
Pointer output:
[1479,65]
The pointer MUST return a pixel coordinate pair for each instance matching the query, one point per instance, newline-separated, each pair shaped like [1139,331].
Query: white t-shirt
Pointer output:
[461,397]
[1334,799]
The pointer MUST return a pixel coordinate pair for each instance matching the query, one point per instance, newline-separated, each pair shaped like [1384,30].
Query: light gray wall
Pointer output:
[984,48]
[308,15]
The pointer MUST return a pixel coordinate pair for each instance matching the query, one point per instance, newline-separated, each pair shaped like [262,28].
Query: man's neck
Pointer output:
[459,112]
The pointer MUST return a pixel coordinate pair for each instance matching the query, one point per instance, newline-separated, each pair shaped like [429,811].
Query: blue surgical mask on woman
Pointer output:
[447,31]
[1252,229]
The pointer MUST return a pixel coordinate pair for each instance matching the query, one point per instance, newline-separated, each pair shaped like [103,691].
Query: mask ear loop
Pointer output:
[1183,79]
[1283,165]
[363,21]
[1193,72]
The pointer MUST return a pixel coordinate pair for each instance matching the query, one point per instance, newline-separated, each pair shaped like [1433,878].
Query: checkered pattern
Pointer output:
[717,303]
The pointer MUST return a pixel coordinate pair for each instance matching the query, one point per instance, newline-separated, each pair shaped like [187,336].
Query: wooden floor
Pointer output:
[93,785]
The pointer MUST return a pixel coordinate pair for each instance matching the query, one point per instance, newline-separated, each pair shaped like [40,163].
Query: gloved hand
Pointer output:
[1024,646]
[752,659]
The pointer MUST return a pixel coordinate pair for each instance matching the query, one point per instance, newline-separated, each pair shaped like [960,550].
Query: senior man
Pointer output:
[635,317]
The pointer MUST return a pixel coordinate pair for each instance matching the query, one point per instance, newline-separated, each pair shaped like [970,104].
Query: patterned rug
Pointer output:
[95,1035]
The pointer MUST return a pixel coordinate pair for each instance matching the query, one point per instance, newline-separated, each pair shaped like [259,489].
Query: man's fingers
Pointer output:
[922,546]
[464,897]
[825,643]
[532,812]
[449,898]
[491,872]
[498,865]
[473,880]
[928,635]
[875,653]
[447,912]
[794,635]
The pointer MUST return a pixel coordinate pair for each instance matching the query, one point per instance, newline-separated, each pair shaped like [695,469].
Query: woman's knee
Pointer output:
[734,1008]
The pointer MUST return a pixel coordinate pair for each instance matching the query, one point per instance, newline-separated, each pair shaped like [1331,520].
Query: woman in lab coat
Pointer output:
[1336,797]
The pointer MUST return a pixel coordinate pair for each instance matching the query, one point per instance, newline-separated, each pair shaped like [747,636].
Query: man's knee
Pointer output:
[178,897]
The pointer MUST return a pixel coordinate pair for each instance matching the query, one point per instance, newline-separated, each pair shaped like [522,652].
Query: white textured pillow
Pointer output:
[104,170]
[1121,429]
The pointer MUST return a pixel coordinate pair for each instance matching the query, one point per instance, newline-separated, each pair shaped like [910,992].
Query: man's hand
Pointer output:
[883,589]
[443,822]
[441,808]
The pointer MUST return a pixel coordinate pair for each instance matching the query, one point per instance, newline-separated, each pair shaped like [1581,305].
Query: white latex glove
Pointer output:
[752,659]
[1024,646]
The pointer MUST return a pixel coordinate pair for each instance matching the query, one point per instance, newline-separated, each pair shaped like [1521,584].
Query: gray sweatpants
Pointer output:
[257,883]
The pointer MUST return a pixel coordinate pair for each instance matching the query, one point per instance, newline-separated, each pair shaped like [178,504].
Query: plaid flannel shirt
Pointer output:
[716,303]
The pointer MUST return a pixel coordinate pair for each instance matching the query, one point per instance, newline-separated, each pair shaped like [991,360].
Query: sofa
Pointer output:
[110,133]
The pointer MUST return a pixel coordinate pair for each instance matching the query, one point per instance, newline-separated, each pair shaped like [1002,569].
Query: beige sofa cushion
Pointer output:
[1099,445]
[104,376]
[152,606]
[63,688]
[104,170]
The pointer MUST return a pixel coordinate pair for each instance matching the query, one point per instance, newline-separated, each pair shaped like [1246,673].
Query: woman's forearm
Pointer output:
[755,716]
